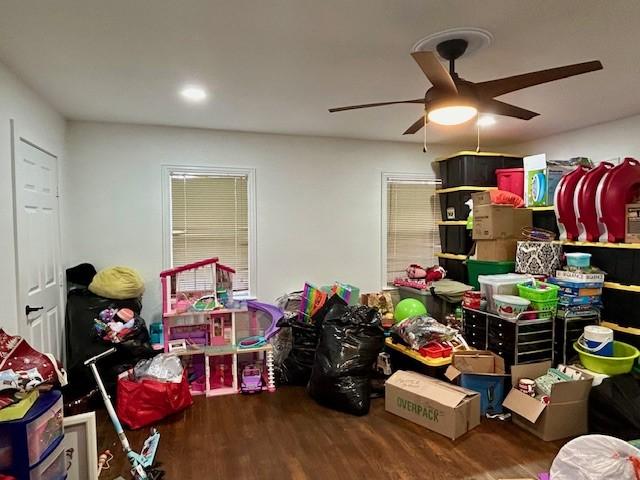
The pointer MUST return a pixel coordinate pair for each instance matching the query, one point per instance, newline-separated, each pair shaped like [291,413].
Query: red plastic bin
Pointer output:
[511,180]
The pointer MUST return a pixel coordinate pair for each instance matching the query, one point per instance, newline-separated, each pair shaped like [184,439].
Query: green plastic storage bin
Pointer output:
[547,308]
[550,292]
[484,267]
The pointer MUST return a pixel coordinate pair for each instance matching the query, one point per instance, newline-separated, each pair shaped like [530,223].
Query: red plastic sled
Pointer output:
[563,200]
[584,202]
[618,187]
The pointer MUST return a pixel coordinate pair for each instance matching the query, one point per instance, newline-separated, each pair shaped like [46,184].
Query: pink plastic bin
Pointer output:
[511,180]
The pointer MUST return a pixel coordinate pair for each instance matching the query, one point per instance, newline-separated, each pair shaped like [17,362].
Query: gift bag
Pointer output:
[142,403]
[538,258]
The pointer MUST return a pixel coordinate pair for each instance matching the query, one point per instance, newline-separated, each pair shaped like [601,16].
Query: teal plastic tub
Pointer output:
[484,267]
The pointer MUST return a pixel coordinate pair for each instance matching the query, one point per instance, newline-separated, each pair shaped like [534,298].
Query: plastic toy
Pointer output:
[563,203]
[214,337]
[142,464]
[409,307]
[251,380]
[618,187]
[584,202]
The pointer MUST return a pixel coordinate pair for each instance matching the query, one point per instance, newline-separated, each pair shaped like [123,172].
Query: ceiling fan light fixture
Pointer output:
[452,114]
[486,121]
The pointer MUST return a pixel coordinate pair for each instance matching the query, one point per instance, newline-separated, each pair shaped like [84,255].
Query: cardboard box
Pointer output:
[481,198]
[632,223]
[444,408]
[564,416]
[579,277]
[483,372]
[499,250]
[492,222]
[541,177]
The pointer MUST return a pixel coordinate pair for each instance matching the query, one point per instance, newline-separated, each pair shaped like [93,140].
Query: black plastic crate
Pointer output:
[452,205]
[456,269]
[621,307]
[546,219]
[568,331]
[474,169]
[455,239]
[621,264]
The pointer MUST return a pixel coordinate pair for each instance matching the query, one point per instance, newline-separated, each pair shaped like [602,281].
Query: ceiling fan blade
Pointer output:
[368,105]
[415,127]
[495,88]
[506,109]
[435,71]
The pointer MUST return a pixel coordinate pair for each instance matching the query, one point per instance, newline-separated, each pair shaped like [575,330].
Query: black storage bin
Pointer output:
[456,269]
[452,205]
[621,307]
[455,239]
[470,168]
[621,264]
[545,219]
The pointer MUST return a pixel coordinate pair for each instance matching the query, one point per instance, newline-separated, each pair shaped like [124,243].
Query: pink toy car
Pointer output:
[251,380]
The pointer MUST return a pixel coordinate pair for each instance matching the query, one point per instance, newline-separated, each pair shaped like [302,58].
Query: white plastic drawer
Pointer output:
[52,468]
[43,431]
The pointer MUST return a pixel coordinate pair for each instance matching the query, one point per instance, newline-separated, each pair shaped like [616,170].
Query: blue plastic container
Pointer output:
[578,259]
[30,444]
[597,340]
[490,387]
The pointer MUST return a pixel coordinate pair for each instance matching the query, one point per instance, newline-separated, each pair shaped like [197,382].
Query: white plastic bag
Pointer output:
[595,457]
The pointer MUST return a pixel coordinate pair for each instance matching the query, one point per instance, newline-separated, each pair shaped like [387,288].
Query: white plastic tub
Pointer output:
[502,284]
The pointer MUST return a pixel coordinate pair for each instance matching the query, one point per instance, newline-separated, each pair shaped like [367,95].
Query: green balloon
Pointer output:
[409,307]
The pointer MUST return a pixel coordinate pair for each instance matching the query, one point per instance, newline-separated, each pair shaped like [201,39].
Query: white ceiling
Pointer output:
[277,65]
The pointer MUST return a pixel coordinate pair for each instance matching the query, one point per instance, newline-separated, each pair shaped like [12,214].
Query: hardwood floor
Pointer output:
[287,435]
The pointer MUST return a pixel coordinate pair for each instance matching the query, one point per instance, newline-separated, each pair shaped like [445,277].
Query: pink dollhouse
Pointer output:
[201,325]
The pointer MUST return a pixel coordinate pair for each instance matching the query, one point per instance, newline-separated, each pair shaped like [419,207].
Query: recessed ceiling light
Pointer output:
[486,120]
[193,93]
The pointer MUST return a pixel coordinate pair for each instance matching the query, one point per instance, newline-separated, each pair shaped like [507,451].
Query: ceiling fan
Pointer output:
[453,100]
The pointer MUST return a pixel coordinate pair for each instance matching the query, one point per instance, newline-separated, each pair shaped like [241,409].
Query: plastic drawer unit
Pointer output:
[517,341]
[28,445]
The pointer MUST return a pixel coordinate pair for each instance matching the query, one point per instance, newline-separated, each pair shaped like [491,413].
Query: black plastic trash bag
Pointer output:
[296,368]
[351,339]
[83,307]
[614,407]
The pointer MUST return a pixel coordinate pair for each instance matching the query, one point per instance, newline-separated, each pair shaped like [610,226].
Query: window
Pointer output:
[410,231]
[211,216]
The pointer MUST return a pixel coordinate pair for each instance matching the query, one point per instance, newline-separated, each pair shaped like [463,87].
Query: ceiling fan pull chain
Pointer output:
[424,146]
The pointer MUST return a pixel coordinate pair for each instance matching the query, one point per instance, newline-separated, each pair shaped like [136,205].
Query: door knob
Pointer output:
[28,309]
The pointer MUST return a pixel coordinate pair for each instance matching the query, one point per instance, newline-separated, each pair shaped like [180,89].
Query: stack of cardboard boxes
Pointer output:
[497,228]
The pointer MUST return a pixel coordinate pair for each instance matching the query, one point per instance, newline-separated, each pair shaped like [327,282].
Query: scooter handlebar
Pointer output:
[99,356]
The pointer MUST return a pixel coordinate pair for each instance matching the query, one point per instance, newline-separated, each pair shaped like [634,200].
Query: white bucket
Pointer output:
[597,340]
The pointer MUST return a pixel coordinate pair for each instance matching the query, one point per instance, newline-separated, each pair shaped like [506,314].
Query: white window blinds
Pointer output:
[413,211]
[210,218]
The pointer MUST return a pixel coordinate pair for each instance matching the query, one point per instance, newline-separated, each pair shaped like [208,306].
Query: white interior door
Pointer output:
[38,246]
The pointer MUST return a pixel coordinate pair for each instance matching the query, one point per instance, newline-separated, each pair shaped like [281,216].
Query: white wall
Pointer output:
[318,200]
[620,138]
[38,122]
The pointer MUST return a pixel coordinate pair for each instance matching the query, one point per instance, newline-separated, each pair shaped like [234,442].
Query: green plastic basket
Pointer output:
[624,356]
[536,294]
[484,267]
[547,308]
